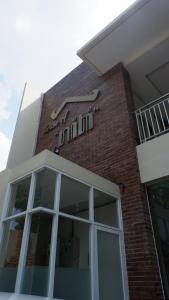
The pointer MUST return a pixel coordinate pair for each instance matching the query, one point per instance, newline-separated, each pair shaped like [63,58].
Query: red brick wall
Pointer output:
[110,151]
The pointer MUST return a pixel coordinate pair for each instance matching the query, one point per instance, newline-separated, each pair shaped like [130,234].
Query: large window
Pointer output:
[158,194]
[61,238]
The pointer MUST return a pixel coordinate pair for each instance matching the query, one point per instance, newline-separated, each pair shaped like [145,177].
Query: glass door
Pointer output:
[109,269]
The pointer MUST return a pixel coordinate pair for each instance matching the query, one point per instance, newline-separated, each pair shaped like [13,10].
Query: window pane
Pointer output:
[72,275]
[105,209]
[37,262]
[109,267]
[45,189]
[158,195]
[19,196]
[74,198]
[10,252]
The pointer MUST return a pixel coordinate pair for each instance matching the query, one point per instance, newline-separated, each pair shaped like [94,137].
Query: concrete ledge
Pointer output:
[153,158]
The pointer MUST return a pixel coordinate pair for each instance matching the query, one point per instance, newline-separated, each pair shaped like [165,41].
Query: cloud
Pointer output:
[5,95]
[39,39]
[23,24]
[5,144]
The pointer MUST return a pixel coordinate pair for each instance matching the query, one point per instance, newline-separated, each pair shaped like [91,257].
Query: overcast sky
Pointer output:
[38,45]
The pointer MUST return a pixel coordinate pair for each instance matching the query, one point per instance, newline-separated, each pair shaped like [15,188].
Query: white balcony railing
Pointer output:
[153,119]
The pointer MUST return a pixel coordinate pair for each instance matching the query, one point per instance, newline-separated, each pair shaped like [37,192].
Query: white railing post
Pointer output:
[153,119]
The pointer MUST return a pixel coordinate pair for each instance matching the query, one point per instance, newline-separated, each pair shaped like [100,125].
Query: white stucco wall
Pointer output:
[24,139]
[4,179]
[153,158]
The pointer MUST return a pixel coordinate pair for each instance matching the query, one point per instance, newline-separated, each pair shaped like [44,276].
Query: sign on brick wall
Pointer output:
[79,125]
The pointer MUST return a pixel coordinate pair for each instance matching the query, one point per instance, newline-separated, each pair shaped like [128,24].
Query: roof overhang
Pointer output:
[143,27]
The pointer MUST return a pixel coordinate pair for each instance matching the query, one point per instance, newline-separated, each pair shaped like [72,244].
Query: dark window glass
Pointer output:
[72,275]
[19,196]
[109,266]
[158,195]
[105,209]
[74,198]
[10,252]
[37,263]
[45,189]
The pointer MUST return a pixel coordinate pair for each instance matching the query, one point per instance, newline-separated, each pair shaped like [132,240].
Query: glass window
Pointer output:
[72,275]
[73,261]
[19,198]
[10,252]
[37,263]
[105,209]
[109,266]
[158,195]
[74,198]
[45,189]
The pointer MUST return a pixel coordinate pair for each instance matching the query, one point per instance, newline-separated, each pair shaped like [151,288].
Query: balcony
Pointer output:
[153,119]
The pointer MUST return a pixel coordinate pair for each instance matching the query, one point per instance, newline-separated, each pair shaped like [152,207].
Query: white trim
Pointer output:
[23,213]
[96,286]
[92,261]
[53,246]
[6,201]
[57,192]
[122,258]
[20,178]
[31,191]
[122,250]
[123,267]
[23,254]
[91,205]
[41,209]
[52,260]
[74,217]
[155,245]
[107,228]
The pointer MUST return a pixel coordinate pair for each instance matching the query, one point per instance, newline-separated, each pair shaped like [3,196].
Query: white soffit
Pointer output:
[159,78]
[141,27]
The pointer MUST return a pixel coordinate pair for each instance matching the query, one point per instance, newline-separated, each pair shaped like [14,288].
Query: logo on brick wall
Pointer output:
[79,125]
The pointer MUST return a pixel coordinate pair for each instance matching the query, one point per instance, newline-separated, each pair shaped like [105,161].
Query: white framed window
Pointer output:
[61,238]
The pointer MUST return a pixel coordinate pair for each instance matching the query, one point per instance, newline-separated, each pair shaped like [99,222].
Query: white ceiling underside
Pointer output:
[139,38]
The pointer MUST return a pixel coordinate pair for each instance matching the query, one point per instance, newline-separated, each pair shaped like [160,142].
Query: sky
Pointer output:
[38,45]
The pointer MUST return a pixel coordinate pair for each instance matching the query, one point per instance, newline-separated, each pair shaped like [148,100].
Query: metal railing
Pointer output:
[153,118]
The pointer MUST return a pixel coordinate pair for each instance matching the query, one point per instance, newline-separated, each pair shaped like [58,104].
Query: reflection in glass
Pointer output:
[109,267]
[72,275]
[105,209]
[74,198]
[10,252]
[45,189]
[19,196]
[158,195]
[37,262]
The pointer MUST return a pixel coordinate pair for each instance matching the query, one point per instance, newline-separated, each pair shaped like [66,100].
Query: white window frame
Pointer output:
[56,213]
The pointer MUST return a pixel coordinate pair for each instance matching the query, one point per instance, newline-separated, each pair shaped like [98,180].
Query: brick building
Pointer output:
[86,186]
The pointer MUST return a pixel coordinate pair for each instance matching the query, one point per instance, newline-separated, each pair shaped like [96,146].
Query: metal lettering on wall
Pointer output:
[80,124]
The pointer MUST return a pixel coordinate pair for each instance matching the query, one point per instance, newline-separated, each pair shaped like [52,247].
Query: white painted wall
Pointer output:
[24,139]
[153,158]
[4,179]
